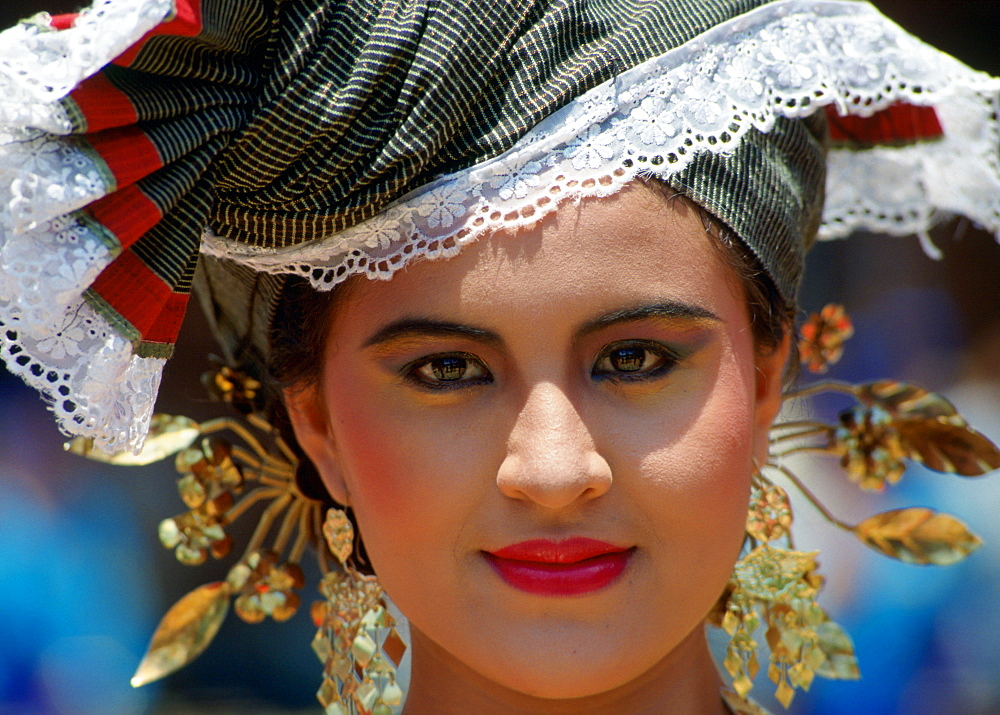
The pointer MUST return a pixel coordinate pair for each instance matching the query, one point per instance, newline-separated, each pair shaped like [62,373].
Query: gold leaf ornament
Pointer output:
[837,646]
[949,446]
[918,535]
[901,399]
[339,534]
[184,632]
[895,420]
[931,429]
[167,435]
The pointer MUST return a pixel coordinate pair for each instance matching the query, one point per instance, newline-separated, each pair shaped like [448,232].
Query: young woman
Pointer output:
[547,442]
[548,448]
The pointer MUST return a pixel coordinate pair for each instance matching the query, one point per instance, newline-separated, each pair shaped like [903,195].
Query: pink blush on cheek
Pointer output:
[372,463]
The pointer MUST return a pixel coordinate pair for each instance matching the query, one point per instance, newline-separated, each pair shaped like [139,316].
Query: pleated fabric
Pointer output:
[274,123]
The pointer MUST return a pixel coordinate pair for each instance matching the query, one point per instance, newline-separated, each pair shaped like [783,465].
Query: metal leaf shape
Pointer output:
[931,430]
[168,434]
[946,446]
[837,646]
[185,631]
[918,535]
[905,400]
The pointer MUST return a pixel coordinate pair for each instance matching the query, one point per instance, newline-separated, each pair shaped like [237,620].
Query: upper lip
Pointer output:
[567,551]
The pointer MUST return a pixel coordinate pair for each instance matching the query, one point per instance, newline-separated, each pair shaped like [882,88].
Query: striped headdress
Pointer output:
[258,139]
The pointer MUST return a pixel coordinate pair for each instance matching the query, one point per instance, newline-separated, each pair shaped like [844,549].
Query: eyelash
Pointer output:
[668,359]
[411,372]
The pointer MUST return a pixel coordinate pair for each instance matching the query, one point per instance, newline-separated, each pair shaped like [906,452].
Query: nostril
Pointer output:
[554,484]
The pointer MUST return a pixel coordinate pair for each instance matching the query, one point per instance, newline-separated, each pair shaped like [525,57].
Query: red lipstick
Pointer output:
[559,568]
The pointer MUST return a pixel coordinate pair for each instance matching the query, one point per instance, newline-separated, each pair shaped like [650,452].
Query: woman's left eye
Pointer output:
[634,361]
[453,370]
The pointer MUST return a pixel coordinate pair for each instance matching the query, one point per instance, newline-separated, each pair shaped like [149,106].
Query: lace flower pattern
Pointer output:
[785,59]
[51,337]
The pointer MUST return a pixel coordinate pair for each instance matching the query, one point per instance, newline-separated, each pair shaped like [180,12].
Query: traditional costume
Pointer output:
[154,148]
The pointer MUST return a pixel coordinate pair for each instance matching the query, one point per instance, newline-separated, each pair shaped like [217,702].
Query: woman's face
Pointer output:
[547,442]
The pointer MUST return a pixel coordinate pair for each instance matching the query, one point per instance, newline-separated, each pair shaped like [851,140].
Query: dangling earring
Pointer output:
[357,640]
[779,586]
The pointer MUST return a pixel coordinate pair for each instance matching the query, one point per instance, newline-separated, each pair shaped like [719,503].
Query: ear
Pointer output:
[769,387]
[308,416]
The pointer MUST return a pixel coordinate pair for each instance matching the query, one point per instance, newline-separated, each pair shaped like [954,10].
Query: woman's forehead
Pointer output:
[634,246]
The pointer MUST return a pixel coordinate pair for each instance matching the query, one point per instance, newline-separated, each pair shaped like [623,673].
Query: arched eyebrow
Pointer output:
[409,328]
[671,310]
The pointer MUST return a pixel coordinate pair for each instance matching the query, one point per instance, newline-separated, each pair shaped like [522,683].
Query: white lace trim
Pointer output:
[42,177]
[45,270]
[784,59]
[50,337]
[787,58]
[39,65]
[95,386]
[904,190]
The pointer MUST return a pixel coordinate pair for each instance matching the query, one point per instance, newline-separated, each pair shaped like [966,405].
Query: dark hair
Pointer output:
[771,316]
[299,333]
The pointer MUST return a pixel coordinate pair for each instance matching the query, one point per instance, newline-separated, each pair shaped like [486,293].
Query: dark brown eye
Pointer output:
[627,359]
[448,368]
[457,370]
[634,361]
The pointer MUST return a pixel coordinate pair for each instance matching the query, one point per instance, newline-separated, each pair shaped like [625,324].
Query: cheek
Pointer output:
[700,474]
[407,482]
[377,463]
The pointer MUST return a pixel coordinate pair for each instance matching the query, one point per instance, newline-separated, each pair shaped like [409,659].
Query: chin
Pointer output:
[580,668]
[573,678]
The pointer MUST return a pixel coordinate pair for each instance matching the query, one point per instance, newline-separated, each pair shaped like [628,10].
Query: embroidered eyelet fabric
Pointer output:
[786,59]
[51,337]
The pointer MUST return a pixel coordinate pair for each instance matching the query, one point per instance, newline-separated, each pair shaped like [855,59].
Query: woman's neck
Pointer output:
[685,681]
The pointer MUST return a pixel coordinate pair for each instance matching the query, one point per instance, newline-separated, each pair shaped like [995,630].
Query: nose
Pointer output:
[551,457]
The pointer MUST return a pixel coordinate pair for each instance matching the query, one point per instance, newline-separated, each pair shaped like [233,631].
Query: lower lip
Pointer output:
[553,579]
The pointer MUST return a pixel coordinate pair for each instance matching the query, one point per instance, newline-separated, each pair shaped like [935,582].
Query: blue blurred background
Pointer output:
[84,579]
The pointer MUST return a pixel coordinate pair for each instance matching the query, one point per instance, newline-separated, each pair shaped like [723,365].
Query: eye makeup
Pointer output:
[447,371]
[634,361]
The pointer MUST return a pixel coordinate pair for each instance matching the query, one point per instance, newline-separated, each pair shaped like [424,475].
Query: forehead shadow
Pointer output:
[528,241]
[522,245]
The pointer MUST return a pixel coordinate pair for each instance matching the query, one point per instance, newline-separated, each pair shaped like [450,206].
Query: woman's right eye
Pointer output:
[447,371]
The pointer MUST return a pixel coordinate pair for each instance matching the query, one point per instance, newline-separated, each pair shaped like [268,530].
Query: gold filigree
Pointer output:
[888,424]
[774,586]
[226,384]
[356,640]
[265,587]
[777,588]
[219,482]
[770,514]
[870,448]
[197,532]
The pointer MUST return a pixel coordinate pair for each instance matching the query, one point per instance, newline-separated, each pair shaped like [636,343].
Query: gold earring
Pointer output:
[357,641]
[778,586]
